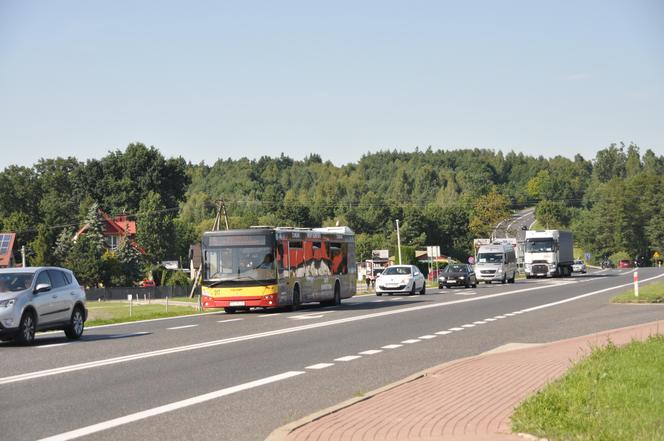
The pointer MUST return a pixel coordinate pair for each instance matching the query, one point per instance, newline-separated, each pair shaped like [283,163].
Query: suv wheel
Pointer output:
[76,324]
[27,328]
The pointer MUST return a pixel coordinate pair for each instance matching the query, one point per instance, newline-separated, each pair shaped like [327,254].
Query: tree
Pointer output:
[85,260]
[487,212]
[154,225]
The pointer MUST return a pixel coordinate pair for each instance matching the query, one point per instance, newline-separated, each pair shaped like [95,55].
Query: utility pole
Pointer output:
[398,242]
[221,208]
[23,255]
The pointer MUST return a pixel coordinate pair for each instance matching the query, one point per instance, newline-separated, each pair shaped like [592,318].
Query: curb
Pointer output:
[280,433]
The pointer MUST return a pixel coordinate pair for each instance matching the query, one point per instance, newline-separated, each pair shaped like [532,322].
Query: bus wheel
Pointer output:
[337,294]
[230,310]
[296,300]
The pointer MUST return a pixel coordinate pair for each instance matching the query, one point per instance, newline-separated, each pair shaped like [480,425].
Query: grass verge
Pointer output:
[105,313]
[614,394]
[650,293]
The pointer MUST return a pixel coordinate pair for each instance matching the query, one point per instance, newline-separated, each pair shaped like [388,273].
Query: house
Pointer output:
[7,249]
[114,229]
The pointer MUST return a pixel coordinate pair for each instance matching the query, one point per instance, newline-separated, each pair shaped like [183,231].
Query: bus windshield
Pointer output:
[490,258]
[239,263]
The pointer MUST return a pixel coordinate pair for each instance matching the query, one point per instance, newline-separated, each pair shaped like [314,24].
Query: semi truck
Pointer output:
[548,253]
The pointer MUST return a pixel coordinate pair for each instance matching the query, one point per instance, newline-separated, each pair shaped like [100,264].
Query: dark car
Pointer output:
[457,274]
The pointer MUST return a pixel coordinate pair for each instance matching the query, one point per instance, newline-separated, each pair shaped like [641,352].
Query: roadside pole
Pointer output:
[129,299]
[398,242]
[636,283]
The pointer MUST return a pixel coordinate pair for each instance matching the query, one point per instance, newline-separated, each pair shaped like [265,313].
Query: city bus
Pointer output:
[268,267]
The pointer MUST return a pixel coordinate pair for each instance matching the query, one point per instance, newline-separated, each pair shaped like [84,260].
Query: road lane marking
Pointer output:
[500,317]
[427,337]
[379,301]
[468,325]
[371,352]
[443,332]
[131,418]
[490,319]
[348,358]
[213,343]
[391,346]
[230,320]
[51,346]
[274,314]
[319,366]
[306,317]
[181,327]
[479,322]
[510,314]
[410,341]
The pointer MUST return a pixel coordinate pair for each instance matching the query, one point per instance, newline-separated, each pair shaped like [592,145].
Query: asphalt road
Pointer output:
[512,227]
[238,377]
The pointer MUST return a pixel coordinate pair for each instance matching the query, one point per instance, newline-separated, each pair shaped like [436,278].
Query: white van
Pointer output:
[496,262]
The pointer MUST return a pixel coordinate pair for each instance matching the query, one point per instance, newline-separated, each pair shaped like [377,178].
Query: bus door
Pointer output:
[284,279]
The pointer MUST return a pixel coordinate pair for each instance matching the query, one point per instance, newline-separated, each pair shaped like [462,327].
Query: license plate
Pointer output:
[238,303]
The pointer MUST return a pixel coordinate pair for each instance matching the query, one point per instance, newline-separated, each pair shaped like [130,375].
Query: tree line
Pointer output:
[442,197]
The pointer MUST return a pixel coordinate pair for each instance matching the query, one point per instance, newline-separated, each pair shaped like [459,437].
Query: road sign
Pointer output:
[587,256]
[471,260]
[433,251]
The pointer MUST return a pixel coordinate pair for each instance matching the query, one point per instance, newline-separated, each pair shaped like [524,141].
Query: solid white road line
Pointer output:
[51,346]
[348,358]
[410,341]
[181,327]
[230,320]
[168,407]
[371,352]
[443,332]
[213,343]
[319,366]
[391,346]
[510,314]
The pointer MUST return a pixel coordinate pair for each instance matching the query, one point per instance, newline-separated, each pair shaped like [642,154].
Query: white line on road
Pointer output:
[348,358]
[213,343]
[427,337]
[319,366]
[410,341]
[181,327]
[500,317]
[274,314]
[371,352]
[479,322]
[443,332]
[52,346]
[490,319]
[510,314]
[391,346]
[168,407]
[468,325]
[230,320]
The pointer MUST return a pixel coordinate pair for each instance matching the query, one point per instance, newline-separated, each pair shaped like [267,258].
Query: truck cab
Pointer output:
[548,253]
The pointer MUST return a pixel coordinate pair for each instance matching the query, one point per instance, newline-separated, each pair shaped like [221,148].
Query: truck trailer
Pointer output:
[548,253]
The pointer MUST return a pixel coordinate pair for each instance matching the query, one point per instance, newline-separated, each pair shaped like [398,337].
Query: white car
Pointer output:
[579,266]
[402,279]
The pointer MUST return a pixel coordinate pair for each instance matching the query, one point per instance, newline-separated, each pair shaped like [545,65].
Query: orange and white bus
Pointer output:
[266,267]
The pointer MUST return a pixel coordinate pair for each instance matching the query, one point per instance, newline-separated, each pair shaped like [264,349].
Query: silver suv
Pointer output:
[40,299]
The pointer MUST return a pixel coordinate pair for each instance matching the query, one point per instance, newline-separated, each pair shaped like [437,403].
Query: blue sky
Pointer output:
[209,80]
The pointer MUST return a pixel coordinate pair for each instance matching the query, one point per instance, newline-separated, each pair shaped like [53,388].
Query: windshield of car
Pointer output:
[455,268]
[490,258]
[400,270]
[578,262]
[12,282]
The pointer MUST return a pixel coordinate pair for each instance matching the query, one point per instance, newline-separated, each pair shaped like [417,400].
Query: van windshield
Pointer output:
[12,282]
[490,258]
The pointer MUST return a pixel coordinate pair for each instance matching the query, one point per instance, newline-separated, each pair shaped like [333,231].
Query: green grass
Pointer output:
[650,293]
[104,313]
[616,394]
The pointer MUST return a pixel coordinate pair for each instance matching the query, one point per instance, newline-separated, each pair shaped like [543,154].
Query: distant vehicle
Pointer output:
[40,299]
[373,268]
[268,267]
[457,274]
[548,253]
[624,263]
[496,262]
[401,279]
[147,283]
[579,266]
[606,263]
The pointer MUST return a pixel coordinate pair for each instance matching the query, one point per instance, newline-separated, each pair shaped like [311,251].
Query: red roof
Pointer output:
[116,226]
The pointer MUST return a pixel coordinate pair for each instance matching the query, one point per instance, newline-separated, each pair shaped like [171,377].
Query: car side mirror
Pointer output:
[42,287]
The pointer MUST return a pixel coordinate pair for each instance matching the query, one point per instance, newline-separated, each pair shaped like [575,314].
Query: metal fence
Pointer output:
[121,293]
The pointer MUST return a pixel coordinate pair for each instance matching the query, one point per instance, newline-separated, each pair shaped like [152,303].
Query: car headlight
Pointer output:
[7,303]
[442,279]
[462,277]
[499,271]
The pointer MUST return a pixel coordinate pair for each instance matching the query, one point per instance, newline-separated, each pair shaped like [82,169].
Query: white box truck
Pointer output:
[548,253]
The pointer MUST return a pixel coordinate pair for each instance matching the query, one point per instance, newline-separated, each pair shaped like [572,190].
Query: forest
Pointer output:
[613,202]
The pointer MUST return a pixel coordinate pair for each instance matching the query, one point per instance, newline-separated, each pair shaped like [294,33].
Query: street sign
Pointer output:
[587,256]
[433,251]
[471,260]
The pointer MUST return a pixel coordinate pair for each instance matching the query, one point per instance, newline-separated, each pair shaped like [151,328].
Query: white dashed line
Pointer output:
[427,337]
[181,327]
[510,314]
[500,317]
[391,346]
[455,329]
[52,346]
[468,325]
[348,358]
[370,352]
[319,366]
[230,320]
[490,320]
[443,332]
[411,341]
[270,315]
[481,322]
[379,301]
[518,312]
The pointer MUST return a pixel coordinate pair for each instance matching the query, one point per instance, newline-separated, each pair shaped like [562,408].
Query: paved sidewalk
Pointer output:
[470,399]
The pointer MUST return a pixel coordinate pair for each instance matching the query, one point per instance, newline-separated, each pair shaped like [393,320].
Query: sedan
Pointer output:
[457,274]
[579,266]
[401,279]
